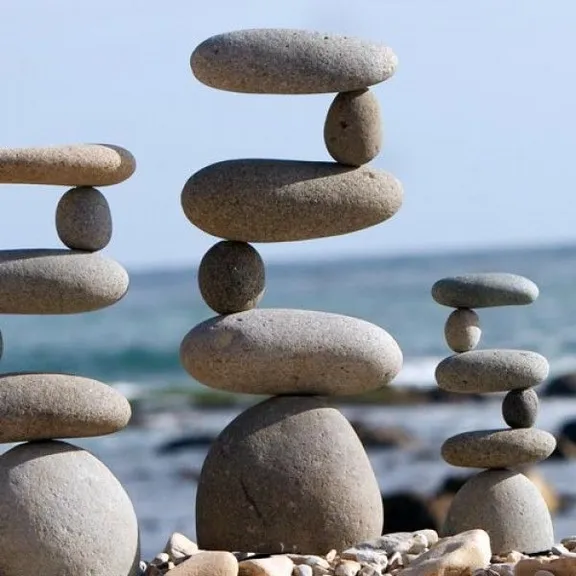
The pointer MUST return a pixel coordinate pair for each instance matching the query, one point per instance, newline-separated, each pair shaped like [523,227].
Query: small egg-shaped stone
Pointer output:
[462,330]
[353,128]
[83,219]
[231,277]
[520,408]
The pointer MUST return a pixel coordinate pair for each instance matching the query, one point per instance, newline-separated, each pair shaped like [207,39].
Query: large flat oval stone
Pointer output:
[37,406]
[277,351]
[75,165]
[485,371]
[285,200]
[507,448]
[284,61]
[46,281]
[485,290]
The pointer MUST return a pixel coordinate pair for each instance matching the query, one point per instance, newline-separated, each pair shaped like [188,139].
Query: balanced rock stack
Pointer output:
[289,474]
[61,510]
[500,500]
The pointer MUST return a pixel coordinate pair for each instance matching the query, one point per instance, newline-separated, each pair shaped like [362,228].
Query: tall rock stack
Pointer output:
[500,500]
[289,474]
[61,510]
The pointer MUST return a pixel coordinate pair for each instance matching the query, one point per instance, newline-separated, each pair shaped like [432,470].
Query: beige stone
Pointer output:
[462,330]
[274,566]
[207,564]
[557,566]
[179,547]
[347,568]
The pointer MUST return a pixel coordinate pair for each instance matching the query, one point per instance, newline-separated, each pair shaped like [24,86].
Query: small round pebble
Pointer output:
[520,408]
[462,330]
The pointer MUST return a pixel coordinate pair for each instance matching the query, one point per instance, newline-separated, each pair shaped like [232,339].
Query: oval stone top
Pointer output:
[485,371]
[75,165]
[284,61]
[35,406]
[284,200]
[485,290]
[278,351]
[52,281]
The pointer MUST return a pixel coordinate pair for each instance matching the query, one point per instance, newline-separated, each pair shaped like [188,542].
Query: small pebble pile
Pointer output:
[289,474]
[500,500]
[62,512]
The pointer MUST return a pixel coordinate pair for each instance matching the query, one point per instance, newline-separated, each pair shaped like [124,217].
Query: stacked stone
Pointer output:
[61,510]
[500,500]
[289,474]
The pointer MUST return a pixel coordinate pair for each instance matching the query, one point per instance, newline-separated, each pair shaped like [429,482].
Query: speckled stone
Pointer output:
[294,477]
[64,513]
[485,290]
[485,371]
[46,281]
[231,277]
[285,61]
[83,219]
[286,200]
[353,128]
[520,408]
[462,330]
[498,448]
[278,351]
[36,406]
[507,506]
[75,165]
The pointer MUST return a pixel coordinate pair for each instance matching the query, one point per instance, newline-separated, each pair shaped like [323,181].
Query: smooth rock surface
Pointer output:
[216,563]
[75,165]
[287,351]
[520,408]
[285,61]
[498,448]
[231,277]
[545,566]
[62,512]
[46,281]
[508,506]
[353,128]
[285,491]
[258,200]
[485,290]
[485,371]
[462,330]
[83,219]
[179,547]
[273,566]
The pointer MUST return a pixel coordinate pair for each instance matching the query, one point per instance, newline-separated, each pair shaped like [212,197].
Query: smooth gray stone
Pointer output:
[284,351]
[485,290]
[520,408]
[46,281]
[462,330]
[508,448]
[294,477]
[63,513]
[485,371]
[285,61]
[506,505]
[287,200]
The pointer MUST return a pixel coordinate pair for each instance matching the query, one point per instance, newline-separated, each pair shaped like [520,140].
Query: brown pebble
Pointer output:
[462,330]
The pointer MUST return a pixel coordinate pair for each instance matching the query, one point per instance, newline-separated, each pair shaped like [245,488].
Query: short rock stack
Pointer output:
[289,474]
[500,500]
[61,510]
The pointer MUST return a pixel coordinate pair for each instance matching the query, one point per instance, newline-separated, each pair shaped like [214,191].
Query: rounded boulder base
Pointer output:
[62,512]
[287,475]
[353,128]
[520,408]
[231,277]
[462,330]
[507,506]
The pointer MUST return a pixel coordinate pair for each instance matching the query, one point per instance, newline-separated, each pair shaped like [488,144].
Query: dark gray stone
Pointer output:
[520,408]
[287,475]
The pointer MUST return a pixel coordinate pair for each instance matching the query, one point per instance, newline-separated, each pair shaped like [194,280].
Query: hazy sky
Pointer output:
[479,119]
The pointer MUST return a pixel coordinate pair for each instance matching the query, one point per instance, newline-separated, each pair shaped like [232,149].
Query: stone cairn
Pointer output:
[289,474]
[61,510]
[500,500]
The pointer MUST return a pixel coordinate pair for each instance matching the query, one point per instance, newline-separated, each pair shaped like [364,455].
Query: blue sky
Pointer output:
[479,120]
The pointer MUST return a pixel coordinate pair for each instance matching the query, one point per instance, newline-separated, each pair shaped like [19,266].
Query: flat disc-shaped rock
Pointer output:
[284,61]
[287,200]
[37,406]
[508,448]
[507,506]
[485,371]
[76,165]
[46,281]
[287,475]
[277,351]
